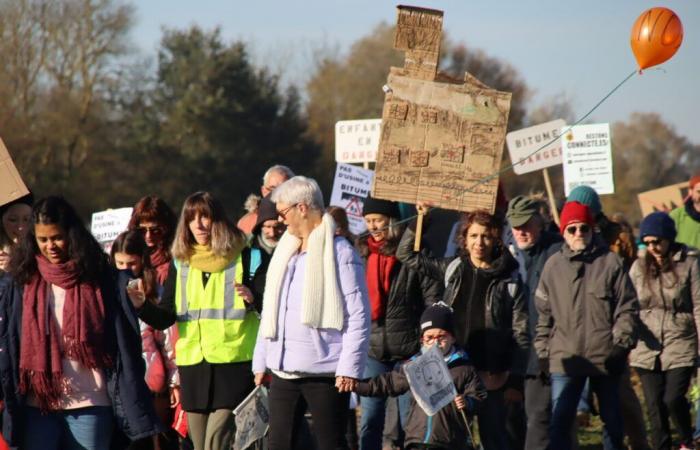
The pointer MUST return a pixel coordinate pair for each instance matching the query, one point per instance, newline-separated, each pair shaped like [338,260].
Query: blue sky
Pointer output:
[577,49]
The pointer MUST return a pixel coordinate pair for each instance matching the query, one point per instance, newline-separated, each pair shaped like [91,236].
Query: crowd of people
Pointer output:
[153,345]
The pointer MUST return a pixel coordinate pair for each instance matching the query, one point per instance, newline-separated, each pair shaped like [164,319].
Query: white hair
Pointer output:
[278,168]
[299,189]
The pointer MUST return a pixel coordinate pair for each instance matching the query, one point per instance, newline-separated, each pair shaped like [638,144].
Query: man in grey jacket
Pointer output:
[588,315]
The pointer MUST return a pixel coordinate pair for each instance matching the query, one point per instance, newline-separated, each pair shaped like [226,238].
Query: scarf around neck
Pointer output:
[160,261]
[204,259]
[82,334]
[321,298]
[378,276]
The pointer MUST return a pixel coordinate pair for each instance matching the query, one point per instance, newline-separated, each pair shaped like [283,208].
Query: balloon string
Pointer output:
[510,166]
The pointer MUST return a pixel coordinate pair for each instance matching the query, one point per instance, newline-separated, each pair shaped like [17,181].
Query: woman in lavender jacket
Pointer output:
[315,325]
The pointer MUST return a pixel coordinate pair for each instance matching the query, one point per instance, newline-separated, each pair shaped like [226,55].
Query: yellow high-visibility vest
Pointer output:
[212,321]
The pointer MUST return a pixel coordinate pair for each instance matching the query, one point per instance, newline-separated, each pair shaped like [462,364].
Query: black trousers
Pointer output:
[664,395]
[329,409]
[538,409]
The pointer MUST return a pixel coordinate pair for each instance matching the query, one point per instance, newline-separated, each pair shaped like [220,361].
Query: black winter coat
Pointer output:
[396,336]
[131,400]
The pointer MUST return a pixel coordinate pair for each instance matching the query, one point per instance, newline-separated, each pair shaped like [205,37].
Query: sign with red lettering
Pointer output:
[526,150]
[357,141]
[350,188]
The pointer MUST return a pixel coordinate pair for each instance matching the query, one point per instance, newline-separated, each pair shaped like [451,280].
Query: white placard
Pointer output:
[252,418]
[430,381]
[522,143]
[357,141]
[107,225]
[350,188]
[587,155]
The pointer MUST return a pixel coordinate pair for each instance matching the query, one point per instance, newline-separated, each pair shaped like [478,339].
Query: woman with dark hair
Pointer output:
[154,219]
[217,323]
[483,287]
[15,221]
[667,281]
[76,371]
[130,253]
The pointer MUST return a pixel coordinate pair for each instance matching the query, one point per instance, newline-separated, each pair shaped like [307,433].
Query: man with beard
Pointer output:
[588,314]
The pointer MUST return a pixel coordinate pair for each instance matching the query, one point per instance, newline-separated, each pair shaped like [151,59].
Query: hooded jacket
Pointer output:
[396,336]
[586,305]
[446,429]
[669,313]
[505,308]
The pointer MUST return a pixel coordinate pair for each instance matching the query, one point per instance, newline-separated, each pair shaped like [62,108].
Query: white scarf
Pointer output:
[321,299]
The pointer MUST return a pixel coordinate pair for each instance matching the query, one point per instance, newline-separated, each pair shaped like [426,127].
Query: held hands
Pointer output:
[134,290]
[345,384]
[244,292]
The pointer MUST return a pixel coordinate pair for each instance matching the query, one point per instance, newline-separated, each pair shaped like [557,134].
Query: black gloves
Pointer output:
[616,361]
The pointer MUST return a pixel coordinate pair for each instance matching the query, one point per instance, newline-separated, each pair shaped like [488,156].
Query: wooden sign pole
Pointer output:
[419,231]
[550,195]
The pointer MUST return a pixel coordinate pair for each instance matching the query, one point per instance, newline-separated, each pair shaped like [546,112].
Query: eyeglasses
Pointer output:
[156,231]
[285,211]
[653,242]
[441,339]
[583,228]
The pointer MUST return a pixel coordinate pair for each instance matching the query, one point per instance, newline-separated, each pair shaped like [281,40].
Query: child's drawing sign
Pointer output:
[430,381]
[440,136]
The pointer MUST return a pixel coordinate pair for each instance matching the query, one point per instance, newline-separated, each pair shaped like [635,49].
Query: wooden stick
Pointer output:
[550,194]
[419,231]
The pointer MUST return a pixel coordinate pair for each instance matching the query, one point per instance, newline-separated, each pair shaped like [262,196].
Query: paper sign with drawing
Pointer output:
[430,381]
[252,418]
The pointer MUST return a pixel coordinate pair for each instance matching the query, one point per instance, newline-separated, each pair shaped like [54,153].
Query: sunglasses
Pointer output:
[583,228]
[156,231]
[285,211]
[653,242]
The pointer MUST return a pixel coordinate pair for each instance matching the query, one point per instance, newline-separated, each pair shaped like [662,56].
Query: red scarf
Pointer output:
[82,331]
[160,261]
[378,277]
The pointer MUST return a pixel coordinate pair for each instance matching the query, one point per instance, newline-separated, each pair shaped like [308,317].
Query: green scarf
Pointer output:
[205,260]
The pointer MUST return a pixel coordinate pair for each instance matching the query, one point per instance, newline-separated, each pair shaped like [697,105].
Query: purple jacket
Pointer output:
[299,348]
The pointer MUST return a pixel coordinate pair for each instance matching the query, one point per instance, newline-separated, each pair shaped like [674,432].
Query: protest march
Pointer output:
[203,258]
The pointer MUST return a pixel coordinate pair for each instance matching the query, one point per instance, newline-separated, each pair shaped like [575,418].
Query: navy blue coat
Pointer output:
[131,400]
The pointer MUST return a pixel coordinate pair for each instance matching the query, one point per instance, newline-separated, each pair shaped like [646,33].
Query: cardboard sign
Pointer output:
[357,141]
[252,418]
[442,139]
[107,225]
[665,199]
[523,143]
[430,381]
[350,187]
[587,158]
[11,185]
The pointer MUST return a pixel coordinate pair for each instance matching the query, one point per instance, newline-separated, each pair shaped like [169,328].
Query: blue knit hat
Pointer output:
[586,195]
[658,224]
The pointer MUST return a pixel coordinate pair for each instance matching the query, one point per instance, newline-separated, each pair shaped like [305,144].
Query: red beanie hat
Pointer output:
[574,212]
[694,180]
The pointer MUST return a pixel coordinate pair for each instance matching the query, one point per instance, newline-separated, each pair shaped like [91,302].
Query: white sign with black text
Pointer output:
[430,380]
[527,149]
[350,188]
[587,154]
[107,225]
[357,141]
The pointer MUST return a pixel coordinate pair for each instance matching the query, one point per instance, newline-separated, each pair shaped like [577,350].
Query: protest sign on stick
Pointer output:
[252,418]
[430,381]
[356,141]
[442,138]
[350,189]
[107,225]
[587,158]
[11,185]
[662,199]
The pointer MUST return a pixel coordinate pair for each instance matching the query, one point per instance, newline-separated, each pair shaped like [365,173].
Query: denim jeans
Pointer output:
[566,393]
[73,429]
[373,408]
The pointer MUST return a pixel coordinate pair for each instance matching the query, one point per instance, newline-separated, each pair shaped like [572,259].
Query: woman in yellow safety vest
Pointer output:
[216,319]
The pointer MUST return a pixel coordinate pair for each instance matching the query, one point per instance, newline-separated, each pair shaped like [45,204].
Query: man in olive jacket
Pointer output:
[588,315]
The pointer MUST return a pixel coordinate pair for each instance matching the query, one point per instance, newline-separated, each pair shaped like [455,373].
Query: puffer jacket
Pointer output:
[396,336]
[446,429]
[669,313]
[586,305]
[506,301]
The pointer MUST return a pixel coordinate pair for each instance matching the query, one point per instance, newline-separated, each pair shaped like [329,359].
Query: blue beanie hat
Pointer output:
[586,195]
[658,224]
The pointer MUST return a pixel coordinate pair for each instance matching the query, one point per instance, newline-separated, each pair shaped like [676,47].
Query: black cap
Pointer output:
[388,208]
[267,210]
[438,315]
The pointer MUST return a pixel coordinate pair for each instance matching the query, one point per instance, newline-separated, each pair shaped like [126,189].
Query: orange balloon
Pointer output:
[656,36]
